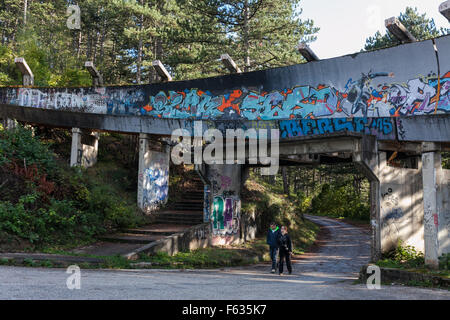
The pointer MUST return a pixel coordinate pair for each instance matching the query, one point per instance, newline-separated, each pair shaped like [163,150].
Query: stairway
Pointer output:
[181,215]
[188,210]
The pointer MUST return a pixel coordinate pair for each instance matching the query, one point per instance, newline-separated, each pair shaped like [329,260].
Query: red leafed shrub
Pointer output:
[31,173]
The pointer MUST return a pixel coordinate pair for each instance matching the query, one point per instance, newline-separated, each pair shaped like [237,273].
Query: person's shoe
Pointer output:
[273,271]
[282,274]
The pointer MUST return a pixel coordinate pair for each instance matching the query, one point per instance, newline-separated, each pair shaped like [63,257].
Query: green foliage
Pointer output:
[403,256]
[123,38]
[444,262]
[19,145]
[55,204]
[420,26]
[338,201]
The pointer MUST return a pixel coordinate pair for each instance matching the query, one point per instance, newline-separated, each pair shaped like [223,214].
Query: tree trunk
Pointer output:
[285,180]
[246,38]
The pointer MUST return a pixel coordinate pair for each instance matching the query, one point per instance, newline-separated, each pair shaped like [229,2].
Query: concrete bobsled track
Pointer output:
[360,108]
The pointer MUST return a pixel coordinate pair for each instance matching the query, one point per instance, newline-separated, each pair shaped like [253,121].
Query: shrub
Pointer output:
[444,261]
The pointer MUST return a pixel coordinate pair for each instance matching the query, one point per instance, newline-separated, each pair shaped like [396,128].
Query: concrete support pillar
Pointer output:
[225,203]
[153,177]
[84,148]
[401,216]
[9,124]
[434,213]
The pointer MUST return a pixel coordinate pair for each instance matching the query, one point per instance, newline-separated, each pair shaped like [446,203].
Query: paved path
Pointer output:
[329,273]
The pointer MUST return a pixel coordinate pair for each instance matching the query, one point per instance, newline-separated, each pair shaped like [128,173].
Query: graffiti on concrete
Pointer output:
[206,203]
[126,100]
[392,216]
[381,127]
[358,98]
[225,216]
[156,186]
[155,180]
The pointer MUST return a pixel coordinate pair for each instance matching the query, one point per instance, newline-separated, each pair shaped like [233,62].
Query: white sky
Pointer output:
[345,24]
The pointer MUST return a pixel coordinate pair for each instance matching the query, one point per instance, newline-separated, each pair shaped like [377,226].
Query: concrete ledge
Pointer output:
[193,238]
[391,275]
[55,259]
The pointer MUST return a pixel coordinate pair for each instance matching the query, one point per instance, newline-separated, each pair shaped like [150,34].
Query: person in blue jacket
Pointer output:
[272,240]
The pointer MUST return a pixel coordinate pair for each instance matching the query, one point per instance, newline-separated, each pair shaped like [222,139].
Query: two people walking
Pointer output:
[279,242]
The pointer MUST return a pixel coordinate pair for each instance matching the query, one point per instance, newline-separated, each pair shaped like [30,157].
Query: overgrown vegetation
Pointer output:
[267,201]
[408,258]
[338,191]
[44,202]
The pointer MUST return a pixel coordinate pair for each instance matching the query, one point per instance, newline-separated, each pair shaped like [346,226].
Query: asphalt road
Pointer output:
[328,273]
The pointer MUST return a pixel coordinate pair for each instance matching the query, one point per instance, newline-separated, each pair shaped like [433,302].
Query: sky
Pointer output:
[345,24]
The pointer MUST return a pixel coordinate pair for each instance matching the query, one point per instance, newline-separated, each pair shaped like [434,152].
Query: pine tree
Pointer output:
[420,26]
[261,33]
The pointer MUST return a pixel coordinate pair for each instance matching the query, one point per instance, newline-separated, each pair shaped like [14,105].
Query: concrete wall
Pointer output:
[153,179]
[444,224]
[84,149]
[225,203]
[196,237]
[399,81]
[401,214]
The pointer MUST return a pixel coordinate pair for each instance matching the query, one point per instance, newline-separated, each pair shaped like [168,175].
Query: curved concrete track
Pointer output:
[327,273]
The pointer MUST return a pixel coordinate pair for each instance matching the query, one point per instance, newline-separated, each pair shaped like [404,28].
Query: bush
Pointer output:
[340,201]
[45,202]
[406,256]
[444,262]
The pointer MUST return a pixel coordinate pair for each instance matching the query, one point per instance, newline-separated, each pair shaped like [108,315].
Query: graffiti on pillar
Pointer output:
[225,217]
[360,97]
[206,203]
[155,180]
[392,215]
[156,186]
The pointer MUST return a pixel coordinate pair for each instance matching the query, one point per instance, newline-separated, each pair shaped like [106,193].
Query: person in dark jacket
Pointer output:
[272,240]
[285,244]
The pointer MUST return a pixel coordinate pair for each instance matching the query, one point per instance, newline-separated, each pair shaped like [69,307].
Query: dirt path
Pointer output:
[342,251]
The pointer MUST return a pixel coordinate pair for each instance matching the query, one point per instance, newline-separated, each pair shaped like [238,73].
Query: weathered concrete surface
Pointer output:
[399,81]
[153,176]
[401,205]
[84,149]
[327,274]
[193,238]
[436,208]
[225,203]
[405,129]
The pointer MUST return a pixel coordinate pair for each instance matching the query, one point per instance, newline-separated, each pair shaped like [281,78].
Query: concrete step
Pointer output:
[158,229]
[182,207]
[131,238]
[181,215]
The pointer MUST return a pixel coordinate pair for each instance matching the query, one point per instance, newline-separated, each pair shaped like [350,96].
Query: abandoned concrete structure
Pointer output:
[365,108]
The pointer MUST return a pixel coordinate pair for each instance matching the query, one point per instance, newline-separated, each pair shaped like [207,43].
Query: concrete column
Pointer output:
[432,180]
[225,207]
[153,176]
[401,215]
[84,148]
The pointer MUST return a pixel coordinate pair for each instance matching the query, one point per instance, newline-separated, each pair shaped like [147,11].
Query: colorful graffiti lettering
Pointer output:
[225,216]
[381,127]
[358,98]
